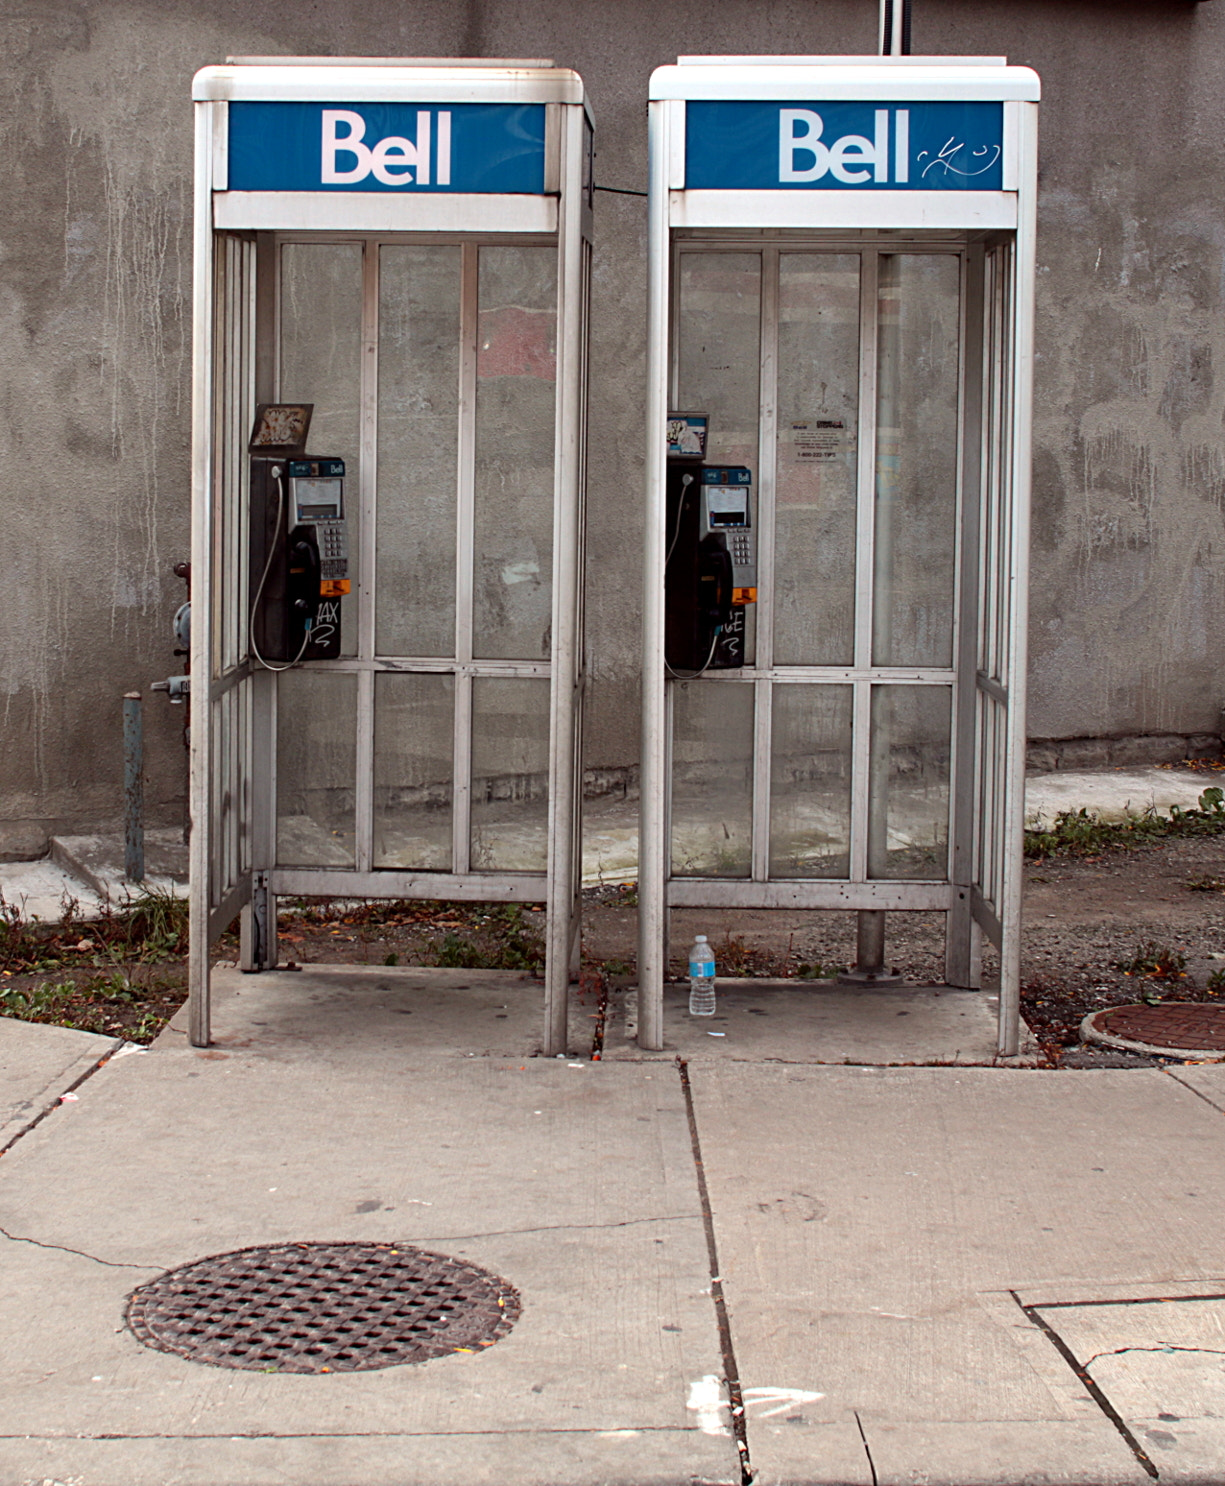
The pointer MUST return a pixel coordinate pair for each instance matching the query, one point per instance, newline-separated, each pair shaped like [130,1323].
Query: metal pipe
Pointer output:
[870,941]
[869,952]
[893,32]
[870,923]
[133,789]
[653,808]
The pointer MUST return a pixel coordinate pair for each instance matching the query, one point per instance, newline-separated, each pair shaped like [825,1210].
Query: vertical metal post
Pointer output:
[1021,414]
[870,942]
[893,33]
[962,967]
[652,820]
[870,923]
[565,783]
[200,846]
[133,789]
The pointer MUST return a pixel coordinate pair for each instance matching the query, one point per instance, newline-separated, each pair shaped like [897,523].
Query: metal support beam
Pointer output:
[869,952]
[133,789]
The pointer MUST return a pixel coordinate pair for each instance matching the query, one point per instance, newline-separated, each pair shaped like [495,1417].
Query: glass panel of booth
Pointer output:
[234,400]
[918,386]
[510,774]
[228,722]
[908,786]
[717,360]
[516,370]
[320,307]
[810,780]
[816,458]
[417,450]
[712,778]
[414,723]
[316,768]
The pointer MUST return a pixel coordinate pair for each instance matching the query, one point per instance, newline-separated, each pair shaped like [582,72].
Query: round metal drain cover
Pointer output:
[1172,1026]
[320,1307]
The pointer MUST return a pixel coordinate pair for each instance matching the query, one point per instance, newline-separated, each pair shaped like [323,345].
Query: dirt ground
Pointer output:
[1121,927]
[1099,931]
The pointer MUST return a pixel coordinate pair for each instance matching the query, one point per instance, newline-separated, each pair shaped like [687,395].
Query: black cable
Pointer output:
[619,191]
[905,28]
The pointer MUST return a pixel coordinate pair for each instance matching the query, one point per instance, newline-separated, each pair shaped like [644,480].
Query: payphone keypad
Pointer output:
[333,549]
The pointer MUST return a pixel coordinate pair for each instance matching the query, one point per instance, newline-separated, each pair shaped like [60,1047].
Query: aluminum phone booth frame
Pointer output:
[457,194]
[911,171]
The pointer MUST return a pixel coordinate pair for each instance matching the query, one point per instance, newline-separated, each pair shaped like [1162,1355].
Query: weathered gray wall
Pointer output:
[95,142]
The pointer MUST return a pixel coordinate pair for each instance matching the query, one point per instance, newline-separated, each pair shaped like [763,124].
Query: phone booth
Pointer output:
[841,324]
[391,271]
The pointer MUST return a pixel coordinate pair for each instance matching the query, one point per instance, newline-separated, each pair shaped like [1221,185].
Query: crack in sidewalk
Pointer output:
[1161,1347]
[80,1253]
[1032,1314]
[563,1228]
[866,1448]
[436,1238]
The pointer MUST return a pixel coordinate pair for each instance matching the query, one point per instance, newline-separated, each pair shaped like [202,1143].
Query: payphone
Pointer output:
[711,568]
[299,558]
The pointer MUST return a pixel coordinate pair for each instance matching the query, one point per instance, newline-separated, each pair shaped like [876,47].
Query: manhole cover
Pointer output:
[1181,1026]
[318,1307]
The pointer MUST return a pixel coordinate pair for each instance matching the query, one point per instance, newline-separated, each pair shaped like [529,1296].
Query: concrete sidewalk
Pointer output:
[942,1275]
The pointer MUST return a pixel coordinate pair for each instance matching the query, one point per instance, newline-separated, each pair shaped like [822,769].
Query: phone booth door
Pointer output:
[840,310]
[391,296]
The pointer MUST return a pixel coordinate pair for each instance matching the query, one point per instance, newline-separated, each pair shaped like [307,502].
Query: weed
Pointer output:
[1153,961]
[35,1003]
[1206,885]
[1083,832]
[818,971]
[461,954]
[1216,981]
[157,922]
[733,956]
[616,967]
[521,948]
[391,959]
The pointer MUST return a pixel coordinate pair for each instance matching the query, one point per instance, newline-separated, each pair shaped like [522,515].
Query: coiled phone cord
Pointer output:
[263,578]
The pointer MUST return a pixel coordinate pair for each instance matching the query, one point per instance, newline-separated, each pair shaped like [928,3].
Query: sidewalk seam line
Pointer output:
[1098,1397]
[735,1397]
[57,1103]
[1193,1089]
[1065,1305]
[369,1434]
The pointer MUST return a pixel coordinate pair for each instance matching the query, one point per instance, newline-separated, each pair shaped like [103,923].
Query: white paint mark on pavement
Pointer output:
[782,1399]
[706,1401]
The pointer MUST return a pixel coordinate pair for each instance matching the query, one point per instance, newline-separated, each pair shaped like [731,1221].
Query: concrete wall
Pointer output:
[95,156]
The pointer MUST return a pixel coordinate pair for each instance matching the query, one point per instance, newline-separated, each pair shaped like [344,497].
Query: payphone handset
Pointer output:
[299,546]
[710,568]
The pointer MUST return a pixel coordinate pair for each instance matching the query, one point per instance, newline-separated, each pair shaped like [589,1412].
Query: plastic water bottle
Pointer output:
[701,978]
